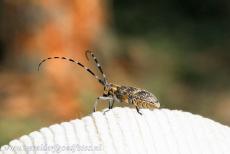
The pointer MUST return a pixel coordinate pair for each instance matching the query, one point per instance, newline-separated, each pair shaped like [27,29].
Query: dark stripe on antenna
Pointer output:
[71,60]
[80,64]
[90,71]
[100,69]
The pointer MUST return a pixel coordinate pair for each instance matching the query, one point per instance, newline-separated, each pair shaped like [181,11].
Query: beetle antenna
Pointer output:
[76,62]
[97,64]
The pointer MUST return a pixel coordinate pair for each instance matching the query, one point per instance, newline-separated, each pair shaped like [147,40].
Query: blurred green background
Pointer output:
[178,50]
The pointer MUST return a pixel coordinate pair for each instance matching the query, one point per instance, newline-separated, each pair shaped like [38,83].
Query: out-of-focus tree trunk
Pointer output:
[54,28]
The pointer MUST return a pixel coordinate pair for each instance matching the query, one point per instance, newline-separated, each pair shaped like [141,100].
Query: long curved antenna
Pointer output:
[97,63]
[76,62]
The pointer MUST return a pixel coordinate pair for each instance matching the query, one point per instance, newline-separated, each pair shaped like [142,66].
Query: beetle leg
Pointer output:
[138,110]
[111,104]
[101,98]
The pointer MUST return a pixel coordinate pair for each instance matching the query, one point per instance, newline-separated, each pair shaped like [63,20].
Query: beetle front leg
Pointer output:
[101,98]
[111,102]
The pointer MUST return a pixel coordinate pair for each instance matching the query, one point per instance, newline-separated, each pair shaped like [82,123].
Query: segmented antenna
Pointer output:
[97,64]
[73,61]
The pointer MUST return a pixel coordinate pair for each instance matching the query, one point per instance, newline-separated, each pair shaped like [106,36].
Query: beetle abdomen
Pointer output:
[138,97]
[144,104]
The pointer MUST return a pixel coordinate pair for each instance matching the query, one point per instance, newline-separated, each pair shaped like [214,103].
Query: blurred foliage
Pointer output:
[179,50]
[196,23]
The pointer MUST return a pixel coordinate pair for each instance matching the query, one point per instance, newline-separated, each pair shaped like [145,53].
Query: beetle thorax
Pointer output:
[110,89]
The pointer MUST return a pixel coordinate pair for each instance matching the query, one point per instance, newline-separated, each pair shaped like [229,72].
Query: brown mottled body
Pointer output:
[130,95]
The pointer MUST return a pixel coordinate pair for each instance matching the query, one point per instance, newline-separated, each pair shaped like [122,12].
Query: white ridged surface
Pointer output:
[123,130]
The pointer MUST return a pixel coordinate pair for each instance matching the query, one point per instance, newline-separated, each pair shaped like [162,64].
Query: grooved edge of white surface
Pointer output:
[123,130]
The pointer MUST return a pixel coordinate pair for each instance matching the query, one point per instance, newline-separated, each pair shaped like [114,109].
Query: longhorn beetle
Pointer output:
[112,92]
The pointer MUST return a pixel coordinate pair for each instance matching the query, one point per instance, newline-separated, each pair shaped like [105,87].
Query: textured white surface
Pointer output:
[123,130]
